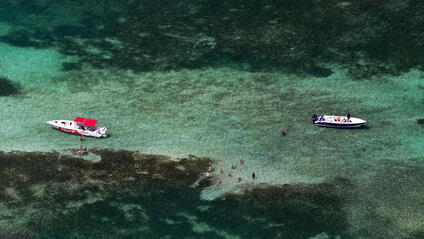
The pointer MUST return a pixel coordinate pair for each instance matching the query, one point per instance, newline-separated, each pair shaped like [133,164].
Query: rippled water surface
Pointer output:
[221,80]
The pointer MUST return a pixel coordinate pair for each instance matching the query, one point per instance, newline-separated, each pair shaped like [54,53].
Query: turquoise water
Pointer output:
[222,80]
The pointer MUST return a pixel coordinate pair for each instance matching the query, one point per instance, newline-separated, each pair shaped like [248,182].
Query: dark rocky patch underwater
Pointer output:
[133,195]
[7,87]
[300,36]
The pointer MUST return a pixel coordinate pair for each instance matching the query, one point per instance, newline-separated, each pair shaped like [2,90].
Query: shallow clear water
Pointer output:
[227,112]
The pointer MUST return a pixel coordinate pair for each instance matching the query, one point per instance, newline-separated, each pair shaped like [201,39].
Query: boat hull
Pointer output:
[333,121]
[68,126]
[71,131]
[332,125]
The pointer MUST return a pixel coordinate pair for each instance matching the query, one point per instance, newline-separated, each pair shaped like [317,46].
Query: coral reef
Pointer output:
[48,195]
[367,37]
[7,87]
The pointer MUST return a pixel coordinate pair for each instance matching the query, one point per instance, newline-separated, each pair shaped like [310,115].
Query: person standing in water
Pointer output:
[253,175]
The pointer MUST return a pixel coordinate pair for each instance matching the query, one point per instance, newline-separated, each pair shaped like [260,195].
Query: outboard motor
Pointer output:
[103,131]
[314,118]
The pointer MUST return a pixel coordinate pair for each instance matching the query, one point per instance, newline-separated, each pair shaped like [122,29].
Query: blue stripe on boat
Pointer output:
[338,124]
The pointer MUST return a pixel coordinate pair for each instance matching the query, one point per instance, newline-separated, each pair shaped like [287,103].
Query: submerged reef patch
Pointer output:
[367,37]
[7,87]
[54,196]
[69,66]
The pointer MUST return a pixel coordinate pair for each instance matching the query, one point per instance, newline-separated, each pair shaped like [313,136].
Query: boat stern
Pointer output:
[101,132]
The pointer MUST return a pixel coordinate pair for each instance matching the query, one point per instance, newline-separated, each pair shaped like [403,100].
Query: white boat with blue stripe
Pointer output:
[335,121]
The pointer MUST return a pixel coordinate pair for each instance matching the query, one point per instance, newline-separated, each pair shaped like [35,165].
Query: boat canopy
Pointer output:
[87,122]
[79,119]
[90,122]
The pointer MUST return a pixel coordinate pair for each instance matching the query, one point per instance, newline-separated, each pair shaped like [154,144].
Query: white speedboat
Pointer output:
[337,121]
[80,126]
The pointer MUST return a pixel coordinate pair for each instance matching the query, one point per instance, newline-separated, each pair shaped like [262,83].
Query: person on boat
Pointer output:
[348,117]
[314,118]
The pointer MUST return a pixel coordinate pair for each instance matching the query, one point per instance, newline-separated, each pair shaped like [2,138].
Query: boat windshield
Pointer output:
[85,127]
[320,118]
[92,128]
[81,126]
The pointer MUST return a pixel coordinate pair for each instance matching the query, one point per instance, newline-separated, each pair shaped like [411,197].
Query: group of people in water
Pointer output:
[219,180]
[80,151]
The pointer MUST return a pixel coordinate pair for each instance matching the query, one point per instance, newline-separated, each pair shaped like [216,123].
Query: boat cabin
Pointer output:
[86,124]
